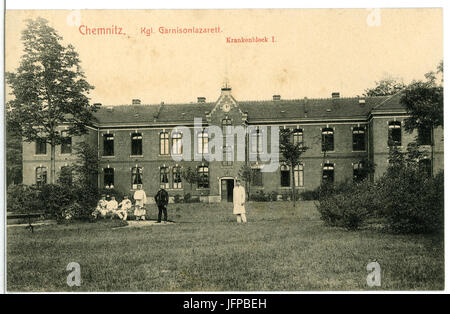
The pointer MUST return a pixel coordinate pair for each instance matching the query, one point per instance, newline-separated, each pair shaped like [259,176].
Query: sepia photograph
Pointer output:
[224,150]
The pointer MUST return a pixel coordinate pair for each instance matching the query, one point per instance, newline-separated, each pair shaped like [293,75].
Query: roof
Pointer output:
[257,111]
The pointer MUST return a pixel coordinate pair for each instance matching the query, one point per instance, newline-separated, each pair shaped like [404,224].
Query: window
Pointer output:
[328,173]
[227,156]
[41,175]
[285,176]
[202,137]
[177,147]
[136,144]
[65,176]
[176,174]
[256,139]
[395,133]
[298,175]
[257,177]
[327,139]
[359,139]
[425,135]
[163,143]
[425,166]
[164,177]
[298,136]
[108,178]
[226,126]
[66,144]
[136,177]
[108,145]
[359,172]
[41,147]
[203,182]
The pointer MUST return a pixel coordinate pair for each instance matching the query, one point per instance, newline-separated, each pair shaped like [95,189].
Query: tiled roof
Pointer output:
[305,109]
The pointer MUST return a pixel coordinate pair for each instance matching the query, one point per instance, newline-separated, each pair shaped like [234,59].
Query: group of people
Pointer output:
[113,208]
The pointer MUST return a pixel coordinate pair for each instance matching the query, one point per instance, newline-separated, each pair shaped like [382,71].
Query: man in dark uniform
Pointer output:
[162,199]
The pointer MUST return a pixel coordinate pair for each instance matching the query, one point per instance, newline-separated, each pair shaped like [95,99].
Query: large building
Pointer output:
[136,144]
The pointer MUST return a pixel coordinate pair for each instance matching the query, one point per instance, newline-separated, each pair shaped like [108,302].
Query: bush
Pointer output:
[348,205]
[412,202]
[187,197]
[54,198]
[259,196]
[273,196]
[177,198]
[23,198]
[311,195]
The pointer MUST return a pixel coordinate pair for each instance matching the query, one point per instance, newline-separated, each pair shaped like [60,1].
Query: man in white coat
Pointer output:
[141,199]
[239,202]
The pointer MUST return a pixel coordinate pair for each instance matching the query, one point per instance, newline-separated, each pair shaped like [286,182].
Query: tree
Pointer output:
[49,89]
[13,154]
[424,102]
[291,153]
[385,87]
[246,175]
[190,176]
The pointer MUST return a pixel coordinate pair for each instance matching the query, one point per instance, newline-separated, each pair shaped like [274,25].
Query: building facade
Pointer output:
[142,144]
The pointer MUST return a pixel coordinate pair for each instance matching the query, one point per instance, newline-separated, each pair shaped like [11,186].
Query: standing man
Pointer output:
[141,199]
[162,199]
[239,202]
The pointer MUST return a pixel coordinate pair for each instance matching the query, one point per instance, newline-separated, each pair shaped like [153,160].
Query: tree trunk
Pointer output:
[432,151]
[293,185]
[52,163]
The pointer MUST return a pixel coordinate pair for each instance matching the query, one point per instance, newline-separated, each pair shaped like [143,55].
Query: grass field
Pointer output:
[280,249]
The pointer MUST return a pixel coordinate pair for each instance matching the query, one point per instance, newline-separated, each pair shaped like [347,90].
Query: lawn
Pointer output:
[280,249]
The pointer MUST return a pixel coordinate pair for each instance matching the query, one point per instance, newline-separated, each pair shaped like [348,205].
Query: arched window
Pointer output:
[285,176]
[41,175]
[163,143]
[136,177]
[359,139]
[202,143]
[164,177]
[108,177]
[108,145]
[177,147]
[136,144]
[327,139]
[176,174]
[328,173]
[298,175]
[395,133]
[203,173]
[298,136]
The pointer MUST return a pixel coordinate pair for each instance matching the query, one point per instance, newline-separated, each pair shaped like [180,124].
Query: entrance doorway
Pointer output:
[227,186]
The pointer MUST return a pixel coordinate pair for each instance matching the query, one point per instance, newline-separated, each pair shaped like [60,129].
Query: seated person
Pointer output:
[101,208]
[124,206]
[112,206]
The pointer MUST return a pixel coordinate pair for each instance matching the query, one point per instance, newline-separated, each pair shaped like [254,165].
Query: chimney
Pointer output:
[361,100]
[110,109]
[136,102]
[335,95]
[276,97]
[201,99]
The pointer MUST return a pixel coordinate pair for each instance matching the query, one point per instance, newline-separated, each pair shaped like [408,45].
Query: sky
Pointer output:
[314,52]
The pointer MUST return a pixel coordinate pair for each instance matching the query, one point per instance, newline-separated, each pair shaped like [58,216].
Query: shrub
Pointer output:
[177,198]
[23,198]
[412,202]
[187,197]
[259,196]
[54,198]
[311,195]
[273,196]
[348,205]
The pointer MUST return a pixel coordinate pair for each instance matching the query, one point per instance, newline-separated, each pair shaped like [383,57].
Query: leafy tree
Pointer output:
[246,175]
[291,153]
[13,156]
[49,89]
[385,87]
[190,176]
[424,102]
